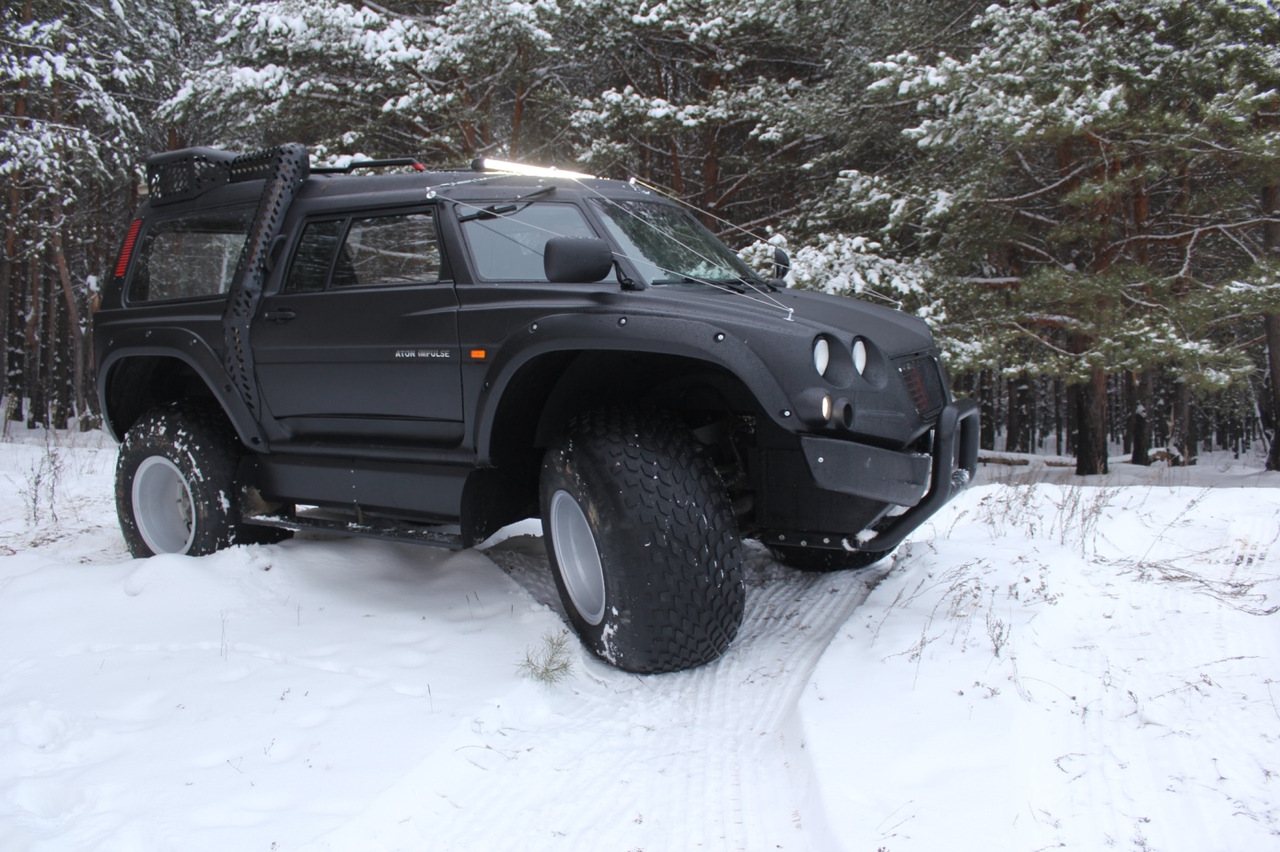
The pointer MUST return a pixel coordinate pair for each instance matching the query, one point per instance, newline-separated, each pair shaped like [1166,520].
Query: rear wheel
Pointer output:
[642,541]
[176,488]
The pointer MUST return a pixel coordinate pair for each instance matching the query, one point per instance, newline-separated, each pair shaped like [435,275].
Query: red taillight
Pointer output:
[126,251]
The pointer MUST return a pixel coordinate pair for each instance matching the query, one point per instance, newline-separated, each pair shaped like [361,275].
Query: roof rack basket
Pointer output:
[186,174]
[191,172]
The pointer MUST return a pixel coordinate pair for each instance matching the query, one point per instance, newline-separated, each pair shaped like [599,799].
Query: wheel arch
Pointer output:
[550,389]
[132,381]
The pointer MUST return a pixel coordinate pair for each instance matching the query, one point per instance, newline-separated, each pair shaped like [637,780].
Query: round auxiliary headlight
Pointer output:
[821,355]
[859,356]
[826,407]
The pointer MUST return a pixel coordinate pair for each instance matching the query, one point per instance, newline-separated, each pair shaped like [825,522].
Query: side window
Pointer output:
[376,251]
[314,259]
[392,250]
[190,257]
[510,247]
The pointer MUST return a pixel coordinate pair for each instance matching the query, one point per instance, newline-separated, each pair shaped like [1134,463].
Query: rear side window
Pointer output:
[190,257]
[311,265]
[373,251]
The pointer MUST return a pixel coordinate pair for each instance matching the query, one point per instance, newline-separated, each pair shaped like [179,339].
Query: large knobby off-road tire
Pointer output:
[176,489]
[643,543]
[816,559]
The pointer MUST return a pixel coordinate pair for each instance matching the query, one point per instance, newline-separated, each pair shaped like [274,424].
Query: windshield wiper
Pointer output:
[515,205]
[737,285]
[759,284]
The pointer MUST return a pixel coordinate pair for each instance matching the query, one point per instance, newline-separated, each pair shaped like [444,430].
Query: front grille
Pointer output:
[923,380]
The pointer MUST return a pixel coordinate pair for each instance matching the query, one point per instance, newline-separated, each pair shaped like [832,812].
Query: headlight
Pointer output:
[859,356]
[821,355]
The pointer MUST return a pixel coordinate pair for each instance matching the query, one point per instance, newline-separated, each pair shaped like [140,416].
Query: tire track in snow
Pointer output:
[722,741]
[718,733]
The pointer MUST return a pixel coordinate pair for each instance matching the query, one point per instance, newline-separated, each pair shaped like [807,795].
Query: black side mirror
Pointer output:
[781,263]
[576,260]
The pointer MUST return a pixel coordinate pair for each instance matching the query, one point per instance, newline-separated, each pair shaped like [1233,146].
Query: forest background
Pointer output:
[1080,197]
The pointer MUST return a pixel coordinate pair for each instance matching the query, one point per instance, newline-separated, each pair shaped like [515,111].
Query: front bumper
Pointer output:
[921,482]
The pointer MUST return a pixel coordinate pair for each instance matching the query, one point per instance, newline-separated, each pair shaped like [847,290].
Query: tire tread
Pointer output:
[687,594]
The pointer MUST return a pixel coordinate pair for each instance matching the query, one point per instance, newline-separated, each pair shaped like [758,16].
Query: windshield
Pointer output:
[667,246]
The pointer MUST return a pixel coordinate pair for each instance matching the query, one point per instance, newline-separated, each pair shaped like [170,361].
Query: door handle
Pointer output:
[279,315]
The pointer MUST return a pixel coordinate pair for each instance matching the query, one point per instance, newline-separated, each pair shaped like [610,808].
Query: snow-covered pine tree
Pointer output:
[77,81]
[690,94]
[1091,175]
[700,96]
[319,72]
[444,81]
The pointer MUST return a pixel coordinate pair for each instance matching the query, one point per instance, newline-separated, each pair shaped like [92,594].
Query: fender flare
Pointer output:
[623,332]
[180,345]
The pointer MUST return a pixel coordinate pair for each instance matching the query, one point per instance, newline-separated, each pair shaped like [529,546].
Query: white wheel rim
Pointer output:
[578,557]
[163,507]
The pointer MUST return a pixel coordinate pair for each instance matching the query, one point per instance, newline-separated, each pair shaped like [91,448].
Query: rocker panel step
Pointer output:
[336,524]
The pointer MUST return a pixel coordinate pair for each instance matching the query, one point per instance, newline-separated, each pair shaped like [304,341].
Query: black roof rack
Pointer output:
[188,173]
[191,172]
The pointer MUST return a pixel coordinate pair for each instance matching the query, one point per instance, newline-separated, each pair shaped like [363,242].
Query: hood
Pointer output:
[787,311]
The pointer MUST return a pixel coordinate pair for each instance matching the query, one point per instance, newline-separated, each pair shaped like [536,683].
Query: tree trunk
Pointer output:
[56,343]
[1091,419]
[8,302]
[711,164]
[1020,420]
[1181,434]
[677,174]
[1271,327]
[1271,323]
[1088,404]
[15,373]
[988,402]
[1058,425]
[11,359]
[1139,417]
[517,109]
[77,379]
[33,370]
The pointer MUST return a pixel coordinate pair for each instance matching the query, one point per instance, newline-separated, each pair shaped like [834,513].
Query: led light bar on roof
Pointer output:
[486,164]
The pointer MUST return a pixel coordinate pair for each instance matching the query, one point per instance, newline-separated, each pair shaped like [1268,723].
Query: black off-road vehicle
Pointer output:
[430,356]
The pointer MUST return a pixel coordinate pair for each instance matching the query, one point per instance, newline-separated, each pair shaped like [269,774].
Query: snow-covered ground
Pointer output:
[1044,665]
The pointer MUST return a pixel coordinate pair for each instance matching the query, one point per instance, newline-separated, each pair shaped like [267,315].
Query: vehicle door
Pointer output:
[360,342]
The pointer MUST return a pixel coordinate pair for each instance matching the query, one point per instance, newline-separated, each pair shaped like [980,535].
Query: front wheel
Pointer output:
[642,541]
[176,489]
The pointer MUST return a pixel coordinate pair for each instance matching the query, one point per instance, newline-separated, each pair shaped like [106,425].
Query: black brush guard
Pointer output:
[896,477]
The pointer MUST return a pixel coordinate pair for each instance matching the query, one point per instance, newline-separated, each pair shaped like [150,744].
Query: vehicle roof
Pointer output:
[471,186]
[406,187]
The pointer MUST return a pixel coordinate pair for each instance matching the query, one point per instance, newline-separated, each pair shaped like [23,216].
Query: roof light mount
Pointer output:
[488,164]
